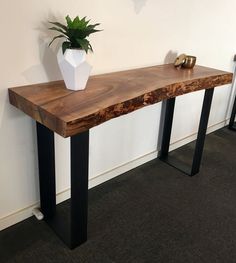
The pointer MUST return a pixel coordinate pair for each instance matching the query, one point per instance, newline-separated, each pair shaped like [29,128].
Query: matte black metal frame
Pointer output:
[232,125]
[168,120]
[72,230]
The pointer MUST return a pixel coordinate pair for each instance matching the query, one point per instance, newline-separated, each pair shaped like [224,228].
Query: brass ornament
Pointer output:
[180,60]
[185,61]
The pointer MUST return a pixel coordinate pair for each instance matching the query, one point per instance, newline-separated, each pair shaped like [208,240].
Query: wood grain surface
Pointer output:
[110,95]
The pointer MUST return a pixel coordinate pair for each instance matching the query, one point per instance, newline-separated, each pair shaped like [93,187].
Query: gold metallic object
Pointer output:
[185,61]
[189,62]
[180,60]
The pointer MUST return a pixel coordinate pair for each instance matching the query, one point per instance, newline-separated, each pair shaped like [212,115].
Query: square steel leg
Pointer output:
[168,119]
[232,125]
[72,227]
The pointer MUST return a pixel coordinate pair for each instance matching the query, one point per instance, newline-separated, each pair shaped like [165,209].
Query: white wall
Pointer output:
[136,33]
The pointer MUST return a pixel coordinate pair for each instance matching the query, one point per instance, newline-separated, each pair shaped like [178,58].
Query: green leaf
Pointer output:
[84,20]
[90,31]
[84,43]
[90,48]
[69,21]
[65,45]
[59,36]
[76,31]
[93,26]
[76,22]
[85,23]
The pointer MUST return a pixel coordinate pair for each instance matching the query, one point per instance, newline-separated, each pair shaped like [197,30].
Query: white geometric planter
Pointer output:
[74,68]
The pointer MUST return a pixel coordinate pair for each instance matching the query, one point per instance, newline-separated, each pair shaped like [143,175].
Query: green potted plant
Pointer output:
[72,55]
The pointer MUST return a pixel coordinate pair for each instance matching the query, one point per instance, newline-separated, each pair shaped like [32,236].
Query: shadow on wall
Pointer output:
[170,57]
[138,5]
[48,68]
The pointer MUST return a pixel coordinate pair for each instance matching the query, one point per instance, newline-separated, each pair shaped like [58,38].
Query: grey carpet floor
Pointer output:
[153,213]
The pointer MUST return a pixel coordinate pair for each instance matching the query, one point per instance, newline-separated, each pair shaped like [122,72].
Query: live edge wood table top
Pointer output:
[110,95]
[73,113]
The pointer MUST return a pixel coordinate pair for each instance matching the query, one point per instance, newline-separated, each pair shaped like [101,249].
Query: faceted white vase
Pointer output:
[74,68]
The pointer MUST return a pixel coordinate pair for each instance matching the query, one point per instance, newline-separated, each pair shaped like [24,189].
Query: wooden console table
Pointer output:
[72,114]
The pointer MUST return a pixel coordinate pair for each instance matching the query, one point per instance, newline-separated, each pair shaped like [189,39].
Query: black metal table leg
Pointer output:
[46,163]
[164,156]
[206,107]
[168,120]
[72,227]
[79,188]
[232,117]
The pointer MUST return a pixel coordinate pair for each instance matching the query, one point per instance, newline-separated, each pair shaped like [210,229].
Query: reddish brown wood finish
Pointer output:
[110,95]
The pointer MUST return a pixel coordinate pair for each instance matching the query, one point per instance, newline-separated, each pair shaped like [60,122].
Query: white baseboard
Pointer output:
[26,212]
[193,136]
